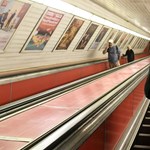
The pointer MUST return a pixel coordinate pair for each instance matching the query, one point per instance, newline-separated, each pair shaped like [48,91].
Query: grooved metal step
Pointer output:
[142,140]
[142,147]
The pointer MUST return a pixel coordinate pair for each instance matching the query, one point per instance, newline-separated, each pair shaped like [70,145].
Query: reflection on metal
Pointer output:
[12,138]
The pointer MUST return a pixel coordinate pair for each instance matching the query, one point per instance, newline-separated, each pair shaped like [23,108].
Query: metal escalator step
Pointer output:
[147,114]
[142,139]
[148,118]
[146,125]
[142,147]
[143,134]
[144,129]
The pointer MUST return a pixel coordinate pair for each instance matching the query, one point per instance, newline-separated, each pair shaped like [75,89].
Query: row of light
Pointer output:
[60,5]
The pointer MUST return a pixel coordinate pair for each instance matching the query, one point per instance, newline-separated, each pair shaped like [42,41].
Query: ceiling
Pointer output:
[135,11]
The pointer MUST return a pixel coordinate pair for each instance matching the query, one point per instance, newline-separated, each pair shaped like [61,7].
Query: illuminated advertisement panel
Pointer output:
[117,37]
[87,36]
[44,31]
[11,14]
[110,36]
[70,34]
[99,38]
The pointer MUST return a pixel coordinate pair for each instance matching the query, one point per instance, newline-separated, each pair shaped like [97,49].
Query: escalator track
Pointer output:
[9,110]
[38,99]
[142,139]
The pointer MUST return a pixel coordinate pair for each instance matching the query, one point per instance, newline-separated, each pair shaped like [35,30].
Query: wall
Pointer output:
[15,57]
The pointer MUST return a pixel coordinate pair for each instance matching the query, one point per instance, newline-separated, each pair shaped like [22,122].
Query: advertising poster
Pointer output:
[87,36]
[125,41]
[70,34]
[136,42]
[139,44]
[111,35]
[142,44]
[44,31]
[99,38]
[131,40]
[122,39]
[117,37]
[11,14]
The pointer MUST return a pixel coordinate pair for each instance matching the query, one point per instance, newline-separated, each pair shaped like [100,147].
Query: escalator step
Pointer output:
[142,147]
[146,125]
[146,120]
[143,139]
[144,135]
[144,129]
[147,114]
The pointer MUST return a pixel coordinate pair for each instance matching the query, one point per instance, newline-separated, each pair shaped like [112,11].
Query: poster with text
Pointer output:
[99,38]
[70,34]
[44,31]
[87,36]
[11,14]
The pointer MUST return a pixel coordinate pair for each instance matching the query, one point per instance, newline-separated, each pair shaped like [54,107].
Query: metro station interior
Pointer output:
[67,81]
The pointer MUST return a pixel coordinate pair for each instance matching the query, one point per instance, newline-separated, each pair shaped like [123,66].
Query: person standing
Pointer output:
[3,18]
[10,19]
[114,54]
[129,53]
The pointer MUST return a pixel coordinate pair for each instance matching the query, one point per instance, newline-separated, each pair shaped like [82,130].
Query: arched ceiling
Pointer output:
[134,11]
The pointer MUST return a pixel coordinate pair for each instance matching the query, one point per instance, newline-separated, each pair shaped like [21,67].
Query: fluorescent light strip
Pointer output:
[66,7]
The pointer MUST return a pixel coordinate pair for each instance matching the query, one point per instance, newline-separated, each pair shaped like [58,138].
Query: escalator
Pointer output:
[142,140]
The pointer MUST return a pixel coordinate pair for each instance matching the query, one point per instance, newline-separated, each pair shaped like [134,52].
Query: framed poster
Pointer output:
[131,40]
[99,38]
[113,33]
[146,43]
[87,36]
[142,42]
[136,43]
[43,32]
[70,34]
[110,36]
[11,14]
[117,37]
[125,41]
[124,35]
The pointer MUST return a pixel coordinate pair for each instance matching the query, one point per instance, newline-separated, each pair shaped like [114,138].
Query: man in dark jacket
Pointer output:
[129,54]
